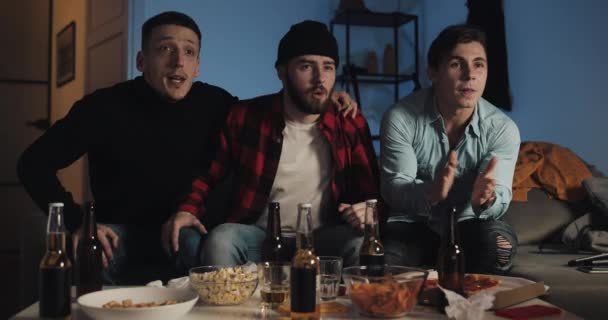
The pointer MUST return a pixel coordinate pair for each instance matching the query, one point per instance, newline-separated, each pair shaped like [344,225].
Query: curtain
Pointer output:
[489,16]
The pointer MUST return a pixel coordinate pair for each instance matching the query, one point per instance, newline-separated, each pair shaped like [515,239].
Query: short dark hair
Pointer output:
[165,18]
[449,38]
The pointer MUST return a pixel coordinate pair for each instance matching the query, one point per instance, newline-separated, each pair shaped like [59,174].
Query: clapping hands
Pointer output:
[483,194]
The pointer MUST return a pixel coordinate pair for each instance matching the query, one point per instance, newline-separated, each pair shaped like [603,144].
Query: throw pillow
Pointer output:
[540,218]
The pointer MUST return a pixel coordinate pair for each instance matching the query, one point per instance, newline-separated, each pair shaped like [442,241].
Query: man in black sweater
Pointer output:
[146,140]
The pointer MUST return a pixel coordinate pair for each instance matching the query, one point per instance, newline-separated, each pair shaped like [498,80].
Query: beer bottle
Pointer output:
[55,275]
[450,262]
[304,269]
[273,247]
[88,255]
[372,251]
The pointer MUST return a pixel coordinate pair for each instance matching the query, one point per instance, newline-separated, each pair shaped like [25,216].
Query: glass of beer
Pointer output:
[274,284]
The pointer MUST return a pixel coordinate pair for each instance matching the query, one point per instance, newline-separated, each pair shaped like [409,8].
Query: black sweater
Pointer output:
[143,152]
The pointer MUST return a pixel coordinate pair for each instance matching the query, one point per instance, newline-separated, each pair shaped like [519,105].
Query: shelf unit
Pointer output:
[393,20]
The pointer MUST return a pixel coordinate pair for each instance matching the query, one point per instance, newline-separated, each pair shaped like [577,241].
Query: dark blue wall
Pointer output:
[556,54]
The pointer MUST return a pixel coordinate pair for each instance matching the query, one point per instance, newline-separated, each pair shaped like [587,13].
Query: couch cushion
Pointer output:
[597,189]
[581,293]
[539,218]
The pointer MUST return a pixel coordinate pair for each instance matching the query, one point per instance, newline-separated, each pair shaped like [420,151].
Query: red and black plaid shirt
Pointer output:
[250,147]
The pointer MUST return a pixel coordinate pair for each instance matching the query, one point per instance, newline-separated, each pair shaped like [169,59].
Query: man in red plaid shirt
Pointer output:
[291,147]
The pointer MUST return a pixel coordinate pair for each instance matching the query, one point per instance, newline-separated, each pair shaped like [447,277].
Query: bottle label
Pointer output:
[303,290]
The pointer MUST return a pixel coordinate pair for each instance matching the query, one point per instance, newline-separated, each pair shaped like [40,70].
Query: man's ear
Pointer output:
[197,72]
[140,61]
[281,72]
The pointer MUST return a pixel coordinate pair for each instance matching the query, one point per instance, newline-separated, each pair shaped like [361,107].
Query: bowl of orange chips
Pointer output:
[383,291]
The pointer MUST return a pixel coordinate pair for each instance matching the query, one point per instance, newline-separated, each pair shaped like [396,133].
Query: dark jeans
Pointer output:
[140,257]
[236,244]
[415,244]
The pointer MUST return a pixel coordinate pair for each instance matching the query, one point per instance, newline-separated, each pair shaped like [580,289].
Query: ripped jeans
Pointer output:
[489,246]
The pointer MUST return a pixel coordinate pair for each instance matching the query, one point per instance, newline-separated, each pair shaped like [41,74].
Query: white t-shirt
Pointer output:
[303,175]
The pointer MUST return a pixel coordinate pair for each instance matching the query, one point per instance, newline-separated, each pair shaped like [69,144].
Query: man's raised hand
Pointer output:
[483,194]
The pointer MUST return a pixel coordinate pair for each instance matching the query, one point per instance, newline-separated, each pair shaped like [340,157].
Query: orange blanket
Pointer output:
[550,167]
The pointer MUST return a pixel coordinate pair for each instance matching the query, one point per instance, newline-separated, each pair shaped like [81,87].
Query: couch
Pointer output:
[541,255]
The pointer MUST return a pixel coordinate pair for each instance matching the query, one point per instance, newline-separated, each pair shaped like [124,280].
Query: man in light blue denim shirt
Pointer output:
[446,146]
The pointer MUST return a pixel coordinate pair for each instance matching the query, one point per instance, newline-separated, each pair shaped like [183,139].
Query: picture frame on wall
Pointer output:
[66,54]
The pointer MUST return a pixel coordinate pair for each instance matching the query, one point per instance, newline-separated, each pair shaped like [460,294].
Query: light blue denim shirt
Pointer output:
[415,147]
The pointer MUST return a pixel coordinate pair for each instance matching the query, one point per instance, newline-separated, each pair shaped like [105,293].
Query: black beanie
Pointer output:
[307,37]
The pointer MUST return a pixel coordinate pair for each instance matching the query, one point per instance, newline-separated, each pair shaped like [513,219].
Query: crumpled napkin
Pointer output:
[472,308]
[177,283]
[250,266]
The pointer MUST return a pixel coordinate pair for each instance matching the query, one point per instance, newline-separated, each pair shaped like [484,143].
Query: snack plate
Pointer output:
[92,303]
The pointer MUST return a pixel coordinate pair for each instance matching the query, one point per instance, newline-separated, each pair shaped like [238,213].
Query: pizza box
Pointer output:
[511,291]
[509,297]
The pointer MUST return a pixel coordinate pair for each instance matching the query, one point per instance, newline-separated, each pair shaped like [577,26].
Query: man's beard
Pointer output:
[303,103]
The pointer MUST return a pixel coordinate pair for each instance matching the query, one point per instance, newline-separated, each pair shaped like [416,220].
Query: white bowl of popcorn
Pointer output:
[224,285]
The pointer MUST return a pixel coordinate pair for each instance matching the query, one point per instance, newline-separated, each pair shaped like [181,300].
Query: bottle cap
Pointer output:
[305,205]
[371,201]
[56,204]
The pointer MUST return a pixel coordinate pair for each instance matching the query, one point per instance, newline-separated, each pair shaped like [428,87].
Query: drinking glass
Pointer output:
[330,276]
[274,283]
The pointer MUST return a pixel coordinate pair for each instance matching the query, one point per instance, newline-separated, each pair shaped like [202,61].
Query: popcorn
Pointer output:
[128,303]
[230,285]
[237,274]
